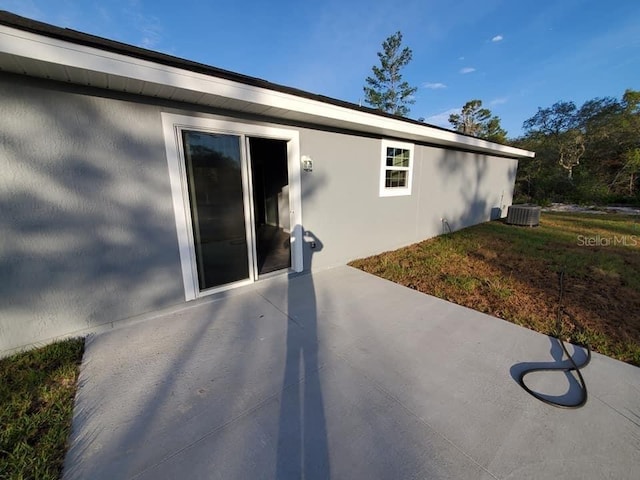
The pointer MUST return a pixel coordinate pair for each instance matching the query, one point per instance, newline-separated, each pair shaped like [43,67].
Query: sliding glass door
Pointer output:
[232,185]
[215,182]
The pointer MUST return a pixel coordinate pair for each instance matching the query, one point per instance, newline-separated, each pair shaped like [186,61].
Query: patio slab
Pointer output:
[340,374]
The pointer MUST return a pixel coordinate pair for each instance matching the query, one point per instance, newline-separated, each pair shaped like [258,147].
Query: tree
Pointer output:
[570,149]
[612,137]
[628,142]
[628,174]
[602,136]
[385,90]
[560,126]
[552,121]
[478,122]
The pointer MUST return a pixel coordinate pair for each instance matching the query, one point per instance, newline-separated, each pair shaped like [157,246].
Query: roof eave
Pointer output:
[43,54]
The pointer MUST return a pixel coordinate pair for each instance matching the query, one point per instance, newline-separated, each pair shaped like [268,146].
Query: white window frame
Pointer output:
[395,191]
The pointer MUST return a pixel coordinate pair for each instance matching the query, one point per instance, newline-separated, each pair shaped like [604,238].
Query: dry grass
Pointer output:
[512,273]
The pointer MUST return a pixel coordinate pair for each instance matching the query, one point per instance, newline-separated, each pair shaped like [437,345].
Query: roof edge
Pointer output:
[35,26]
[83,39]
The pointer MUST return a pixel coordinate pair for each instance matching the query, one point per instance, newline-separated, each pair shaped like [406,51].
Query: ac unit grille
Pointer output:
[524,215]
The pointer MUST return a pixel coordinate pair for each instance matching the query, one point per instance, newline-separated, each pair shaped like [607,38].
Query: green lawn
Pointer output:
[37,390]
[512,273]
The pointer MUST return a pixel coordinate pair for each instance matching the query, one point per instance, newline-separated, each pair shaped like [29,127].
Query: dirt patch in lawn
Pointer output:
[513,273]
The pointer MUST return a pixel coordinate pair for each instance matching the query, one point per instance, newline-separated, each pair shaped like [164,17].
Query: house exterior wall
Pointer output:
[342,206]
[88,228]
[88,232]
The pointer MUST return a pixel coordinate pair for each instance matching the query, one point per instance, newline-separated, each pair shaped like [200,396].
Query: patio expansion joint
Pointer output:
[636,422]
[386,392]
[286,314]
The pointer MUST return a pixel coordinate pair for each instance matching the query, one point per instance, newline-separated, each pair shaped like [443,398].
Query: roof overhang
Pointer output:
[39,55]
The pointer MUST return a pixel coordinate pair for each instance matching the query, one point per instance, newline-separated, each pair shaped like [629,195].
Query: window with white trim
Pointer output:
[396,168]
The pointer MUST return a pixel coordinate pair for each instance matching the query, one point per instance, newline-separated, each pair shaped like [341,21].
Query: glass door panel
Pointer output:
[214,174]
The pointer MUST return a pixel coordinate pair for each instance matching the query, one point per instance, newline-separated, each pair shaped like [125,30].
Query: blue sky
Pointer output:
[514,55]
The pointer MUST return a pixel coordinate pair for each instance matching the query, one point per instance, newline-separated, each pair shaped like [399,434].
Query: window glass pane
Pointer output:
[402,158]
[397,157]
[217,209]
[389,157]
[395,179]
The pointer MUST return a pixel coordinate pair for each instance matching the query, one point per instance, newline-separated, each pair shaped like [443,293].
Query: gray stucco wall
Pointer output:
[342,206]
[88,234]
[88,229]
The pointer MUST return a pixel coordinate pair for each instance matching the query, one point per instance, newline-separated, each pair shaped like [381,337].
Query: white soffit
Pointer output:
[38,55]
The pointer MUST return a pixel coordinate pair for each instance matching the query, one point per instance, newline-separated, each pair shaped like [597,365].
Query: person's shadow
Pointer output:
[302,436]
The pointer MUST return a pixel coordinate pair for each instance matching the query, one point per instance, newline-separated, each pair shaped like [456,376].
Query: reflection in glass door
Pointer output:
[214,177]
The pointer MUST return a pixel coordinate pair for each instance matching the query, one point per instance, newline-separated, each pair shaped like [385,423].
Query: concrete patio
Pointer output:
[340,375]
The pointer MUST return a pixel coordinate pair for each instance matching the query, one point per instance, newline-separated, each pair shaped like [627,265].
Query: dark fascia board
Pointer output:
[33,26]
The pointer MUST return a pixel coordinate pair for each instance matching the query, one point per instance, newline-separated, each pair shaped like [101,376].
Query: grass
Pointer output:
[513,273]
[37,390]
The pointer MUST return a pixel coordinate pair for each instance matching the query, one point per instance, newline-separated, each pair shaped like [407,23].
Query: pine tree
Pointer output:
[385,90]
[478,122]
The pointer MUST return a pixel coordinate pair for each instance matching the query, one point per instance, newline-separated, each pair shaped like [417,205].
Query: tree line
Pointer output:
[586,154]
